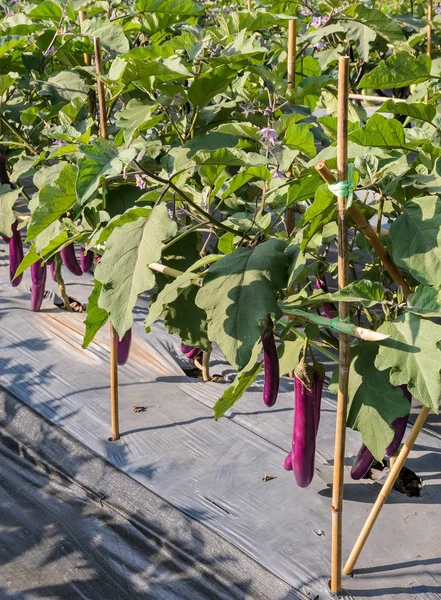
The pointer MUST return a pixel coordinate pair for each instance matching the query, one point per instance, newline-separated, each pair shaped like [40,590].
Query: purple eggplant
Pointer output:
[38,277]
[329,308]
[86,260]
[399,426]
[51,263]
[15,255]
[190,351]
[271,366]
[305,425]
[123,347]
[287,465]
[362,463]
[70,260]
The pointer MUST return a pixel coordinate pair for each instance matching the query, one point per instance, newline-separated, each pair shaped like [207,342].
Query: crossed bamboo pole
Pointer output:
[114,408]
[429,36]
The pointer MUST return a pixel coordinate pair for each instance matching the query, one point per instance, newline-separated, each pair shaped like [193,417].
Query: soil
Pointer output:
[408,482]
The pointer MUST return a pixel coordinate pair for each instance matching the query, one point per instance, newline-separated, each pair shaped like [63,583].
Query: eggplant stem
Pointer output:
[61,284]
[206,365]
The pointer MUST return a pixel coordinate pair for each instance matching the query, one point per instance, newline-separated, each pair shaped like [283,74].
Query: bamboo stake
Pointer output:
[429,35]
[114,401]
[343,313]
[369,233]
[87,61]
[385,490]
[292,42]
[249,5]
[376,99]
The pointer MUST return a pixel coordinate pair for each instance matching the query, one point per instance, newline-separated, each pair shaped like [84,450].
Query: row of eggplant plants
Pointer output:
[209,150]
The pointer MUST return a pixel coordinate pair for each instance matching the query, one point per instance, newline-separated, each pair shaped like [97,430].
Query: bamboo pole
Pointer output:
[376,99]
[369,232]
[429,35]
[113,338]
[87,61]
[385,490]
[249,5]
[292,42]
[343,313]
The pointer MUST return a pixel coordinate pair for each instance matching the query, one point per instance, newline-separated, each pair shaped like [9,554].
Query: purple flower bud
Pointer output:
[320,45]
[170,213]
[267,112]
[49,51]
[438,8]
[278,175]
[305,11]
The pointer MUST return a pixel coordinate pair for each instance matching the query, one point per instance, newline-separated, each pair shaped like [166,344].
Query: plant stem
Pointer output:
[206,365]
[182,235]
[61,284]
[18,134]
[187,199]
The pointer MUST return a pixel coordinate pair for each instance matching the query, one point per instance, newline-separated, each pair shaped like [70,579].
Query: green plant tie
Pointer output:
[345,188]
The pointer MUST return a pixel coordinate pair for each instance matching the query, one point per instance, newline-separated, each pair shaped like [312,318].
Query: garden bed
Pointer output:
[213,472]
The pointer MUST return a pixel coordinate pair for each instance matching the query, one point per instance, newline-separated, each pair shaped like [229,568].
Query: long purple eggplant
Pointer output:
[15,255]
[70,260]
[329,308]
[190,351]
[271,366]
[51,263]
[362,463]
[305,426]
[399,426]
[86,260]
[123,347]
[38,278]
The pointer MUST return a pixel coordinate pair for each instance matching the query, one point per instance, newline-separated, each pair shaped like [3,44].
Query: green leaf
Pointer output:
[170,7]
[380,132]
[374,403]
[46,11]
[377,20]
[399,70]
[100,158]
[6,80]
[111,34]
[209,84]
[299,137]
[322,211]
[136,116]
[367,292]
[8,198]
[238,292]
[297,260]
[169,294]
[96,316]
[65,86]
[289,355]
[123,270]
[185,319]
[416,239]
[226,243]
[416,110]
[29,259]
[425,301]
[129,216]
[414,354]
[9,42]
[242,382]
[53,201]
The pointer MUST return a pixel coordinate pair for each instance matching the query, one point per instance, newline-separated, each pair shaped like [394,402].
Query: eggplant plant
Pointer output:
[208,151]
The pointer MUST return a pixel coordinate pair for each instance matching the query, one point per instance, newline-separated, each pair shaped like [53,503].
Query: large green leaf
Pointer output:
[425,301]
[381,133]
[9,42]
[167,295]
[413,352]
[416,110]
[209,84]
[322,211]
[400,70]
[123,270]
[65,86]
[289,354]
[99,158]
[374,403]
[96,316]
[188,321]
[299,137]
[111,34]
[8,198]
[377,20]
[367,292]
[53,201]
[238,292]
[45,11]
[170,7]
[416,239]
[136,116]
